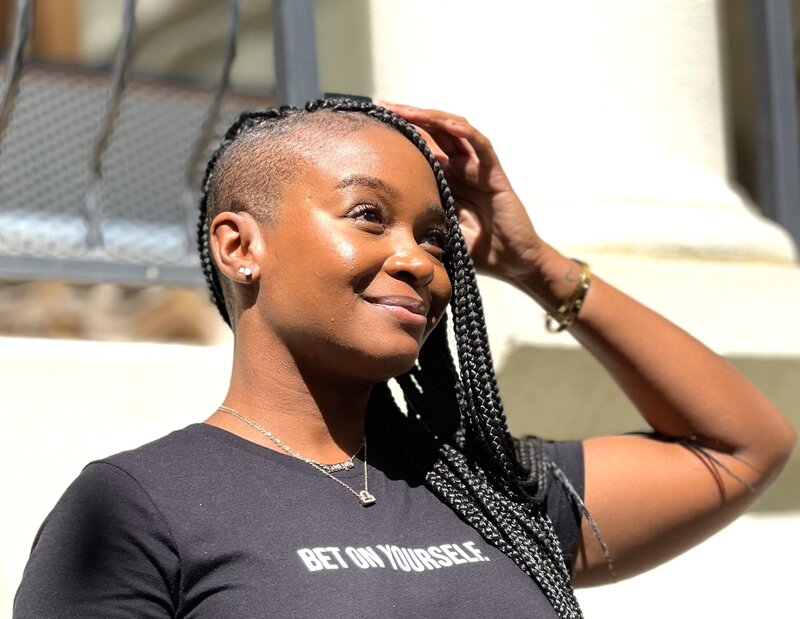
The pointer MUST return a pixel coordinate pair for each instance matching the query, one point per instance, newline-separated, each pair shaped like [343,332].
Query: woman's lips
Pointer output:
[406,309]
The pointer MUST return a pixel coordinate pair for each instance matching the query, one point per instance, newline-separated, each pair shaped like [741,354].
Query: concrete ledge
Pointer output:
[736,308]
[566,394]
[721,228]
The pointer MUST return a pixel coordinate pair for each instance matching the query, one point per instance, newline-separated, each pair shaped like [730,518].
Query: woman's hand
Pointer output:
[499,234]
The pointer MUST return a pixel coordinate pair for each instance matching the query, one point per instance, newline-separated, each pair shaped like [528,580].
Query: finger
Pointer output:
[436,121]
[449,144]
[453,146]
[433,144]
[478,143]
[471,229]
[430,119]
[462,160]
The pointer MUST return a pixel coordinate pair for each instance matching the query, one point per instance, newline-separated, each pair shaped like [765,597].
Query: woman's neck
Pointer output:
[320,417]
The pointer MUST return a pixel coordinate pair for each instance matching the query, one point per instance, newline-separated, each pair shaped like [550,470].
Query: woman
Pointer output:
[332,251]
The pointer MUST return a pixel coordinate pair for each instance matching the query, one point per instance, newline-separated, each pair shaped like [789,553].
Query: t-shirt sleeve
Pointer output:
[104,551]
[566,519]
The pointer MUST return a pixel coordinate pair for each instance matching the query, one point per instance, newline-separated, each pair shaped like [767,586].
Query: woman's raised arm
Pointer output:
[719,441]
[654,498]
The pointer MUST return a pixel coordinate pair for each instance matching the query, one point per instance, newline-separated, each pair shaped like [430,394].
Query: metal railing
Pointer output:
[100,172]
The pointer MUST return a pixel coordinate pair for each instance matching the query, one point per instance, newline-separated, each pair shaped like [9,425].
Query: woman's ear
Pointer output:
[237,246]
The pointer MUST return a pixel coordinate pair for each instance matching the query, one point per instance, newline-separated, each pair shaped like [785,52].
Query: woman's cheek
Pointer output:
[443,288]
[345,251]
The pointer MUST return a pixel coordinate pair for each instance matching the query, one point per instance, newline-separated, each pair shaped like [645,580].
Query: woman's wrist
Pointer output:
[550,278]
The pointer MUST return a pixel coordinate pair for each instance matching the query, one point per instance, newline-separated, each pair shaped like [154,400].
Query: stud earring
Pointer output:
[246,271]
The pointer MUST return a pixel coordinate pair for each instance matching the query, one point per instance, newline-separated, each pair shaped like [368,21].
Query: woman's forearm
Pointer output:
[679,386]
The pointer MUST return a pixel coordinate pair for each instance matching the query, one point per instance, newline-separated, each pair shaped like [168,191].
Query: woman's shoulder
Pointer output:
[140,488]
[565,477]
[143,478]
[130,479]
[178,447]
[106,538]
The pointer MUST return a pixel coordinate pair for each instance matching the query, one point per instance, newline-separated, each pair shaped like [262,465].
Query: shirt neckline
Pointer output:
[275,457]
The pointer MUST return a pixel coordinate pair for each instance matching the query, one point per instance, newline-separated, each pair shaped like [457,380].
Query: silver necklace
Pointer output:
[363,496]
[329,468]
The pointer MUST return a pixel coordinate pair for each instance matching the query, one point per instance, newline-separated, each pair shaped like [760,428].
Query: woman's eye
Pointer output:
[436,238]
[369,213]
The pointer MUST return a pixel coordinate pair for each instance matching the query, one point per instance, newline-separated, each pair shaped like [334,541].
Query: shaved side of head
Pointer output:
[254,169]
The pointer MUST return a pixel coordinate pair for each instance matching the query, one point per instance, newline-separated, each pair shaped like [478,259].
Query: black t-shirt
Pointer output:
[202,523]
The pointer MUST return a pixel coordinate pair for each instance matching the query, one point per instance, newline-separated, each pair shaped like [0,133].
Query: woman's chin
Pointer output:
[383,367]
[387,370]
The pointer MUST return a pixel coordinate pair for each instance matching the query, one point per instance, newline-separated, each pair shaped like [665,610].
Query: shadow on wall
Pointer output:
[344,46]
[566,394]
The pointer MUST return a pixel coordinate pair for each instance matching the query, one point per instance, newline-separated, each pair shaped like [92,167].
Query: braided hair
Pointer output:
[455,429]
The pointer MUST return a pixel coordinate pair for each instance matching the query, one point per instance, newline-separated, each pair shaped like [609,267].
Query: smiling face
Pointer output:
[352,279]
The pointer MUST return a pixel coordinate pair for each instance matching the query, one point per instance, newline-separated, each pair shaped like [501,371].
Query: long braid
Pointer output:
[456,430]
[519,530]
[473,347]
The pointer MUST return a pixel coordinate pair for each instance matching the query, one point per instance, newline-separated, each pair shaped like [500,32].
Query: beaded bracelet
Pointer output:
[568,312]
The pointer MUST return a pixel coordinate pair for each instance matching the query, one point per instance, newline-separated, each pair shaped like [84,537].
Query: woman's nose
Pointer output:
[412,264]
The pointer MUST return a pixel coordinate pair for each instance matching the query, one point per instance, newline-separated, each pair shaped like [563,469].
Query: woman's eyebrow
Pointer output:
[435,210]
[373,182]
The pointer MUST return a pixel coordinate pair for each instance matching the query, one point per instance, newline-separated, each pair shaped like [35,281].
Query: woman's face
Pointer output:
[352,279]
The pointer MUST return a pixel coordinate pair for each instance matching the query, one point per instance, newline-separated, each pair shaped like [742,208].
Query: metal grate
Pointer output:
[147,215]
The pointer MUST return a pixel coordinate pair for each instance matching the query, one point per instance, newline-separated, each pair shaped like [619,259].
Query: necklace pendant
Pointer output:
[339,466]
[365,498]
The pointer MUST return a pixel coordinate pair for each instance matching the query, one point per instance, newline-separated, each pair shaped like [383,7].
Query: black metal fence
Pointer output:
[99,172]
